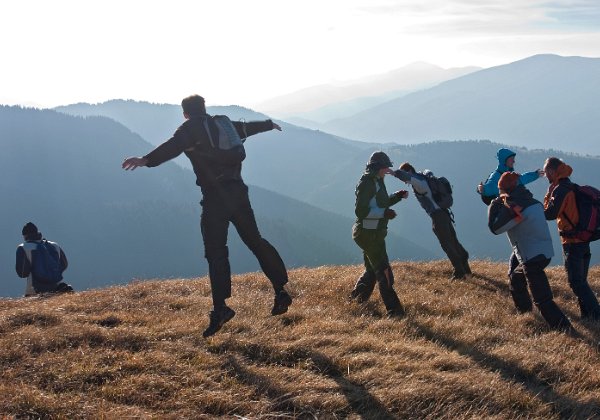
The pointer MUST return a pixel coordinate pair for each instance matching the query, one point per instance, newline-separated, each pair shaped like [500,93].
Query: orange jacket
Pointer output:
[560,204]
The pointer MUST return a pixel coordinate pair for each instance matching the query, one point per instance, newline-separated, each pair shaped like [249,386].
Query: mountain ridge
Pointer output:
[63,173]
[542,101]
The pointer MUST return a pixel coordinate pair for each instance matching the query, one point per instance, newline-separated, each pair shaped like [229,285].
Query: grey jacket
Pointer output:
[522,218]
[420,188]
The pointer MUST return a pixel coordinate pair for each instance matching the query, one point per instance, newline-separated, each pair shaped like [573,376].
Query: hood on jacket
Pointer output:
[563,171]
[519,196]
[502,155]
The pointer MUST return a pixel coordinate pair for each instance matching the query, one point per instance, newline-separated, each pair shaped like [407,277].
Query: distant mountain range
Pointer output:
[63,173]
[322,170]
[545,102]
[318,104]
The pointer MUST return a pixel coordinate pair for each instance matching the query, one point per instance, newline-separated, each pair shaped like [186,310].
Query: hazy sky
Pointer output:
[57,52]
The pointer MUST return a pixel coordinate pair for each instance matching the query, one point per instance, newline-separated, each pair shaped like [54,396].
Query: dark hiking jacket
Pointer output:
[192,139]
[372,200]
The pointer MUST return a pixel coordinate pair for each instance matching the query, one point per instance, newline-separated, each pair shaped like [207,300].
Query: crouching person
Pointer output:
[370,229]
[41,262]
[518,214]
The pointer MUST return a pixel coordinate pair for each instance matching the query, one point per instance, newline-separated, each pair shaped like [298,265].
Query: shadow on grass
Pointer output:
[562,405]
[360,401]
[492,284]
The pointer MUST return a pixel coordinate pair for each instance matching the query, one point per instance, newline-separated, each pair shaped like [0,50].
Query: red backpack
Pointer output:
[588,206]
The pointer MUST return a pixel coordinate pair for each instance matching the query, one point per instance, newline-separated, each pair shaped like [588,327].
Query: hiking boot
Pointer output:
[357,296]
[217,320]
[282,301]
[395,313]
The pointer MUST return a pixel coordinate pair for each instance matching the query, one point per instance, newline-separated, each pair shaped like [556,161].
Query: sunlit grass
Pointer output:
[462,351]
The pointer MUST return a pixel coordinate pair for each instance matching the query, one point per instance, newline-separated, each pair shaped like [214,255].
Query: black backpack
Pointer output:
[588,206]
[441,190]
[487,199]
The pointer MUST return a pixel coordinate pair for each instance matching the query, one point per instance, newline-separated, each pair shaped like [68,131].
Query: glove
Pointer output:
[389,214]
[401,194]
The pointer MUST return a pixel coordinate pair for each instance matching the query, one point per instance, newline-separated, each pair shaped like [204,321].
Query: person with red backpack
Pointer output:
[41,262]
[561,204]
[214,145]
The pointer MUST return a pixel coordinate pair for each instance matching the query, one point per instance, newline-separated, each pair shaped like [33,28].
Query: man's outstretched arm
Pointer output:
[247,129]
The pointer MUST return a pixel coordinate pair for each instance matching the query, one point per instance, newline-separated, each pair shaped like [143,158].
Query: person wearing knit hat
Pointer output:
[506,163]
[560,204]
[369,231]
[508,182]
[516,213]
[41,262]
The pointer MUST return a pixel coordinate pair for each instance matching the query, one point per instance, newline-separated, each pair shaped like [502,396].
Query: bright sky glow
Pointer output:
[244,52]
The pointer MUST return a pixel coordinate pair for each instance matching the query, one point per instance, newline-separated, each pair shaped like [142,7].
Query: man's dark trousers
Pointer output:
[532,273]
[444,231]
[220,206]
[377,268]
[577,262]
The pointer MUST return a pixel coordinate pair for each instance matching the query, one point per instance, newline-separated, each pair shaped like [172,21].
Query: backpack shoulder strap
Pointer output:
[207,128]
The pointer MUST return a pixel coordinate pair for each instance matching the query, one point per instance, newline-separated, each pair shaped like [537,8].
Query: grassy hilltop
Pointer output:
[461,351]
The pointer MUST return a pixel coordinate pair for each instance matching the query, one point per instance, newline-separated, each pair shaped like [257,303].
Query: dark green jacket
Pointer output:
[372,200]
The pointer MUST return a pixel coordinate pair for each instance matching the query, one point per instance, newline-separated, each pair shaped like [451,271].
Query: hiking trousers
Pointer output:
[577,263]
[443,229]
[377,268]
[230,203]
[531,273]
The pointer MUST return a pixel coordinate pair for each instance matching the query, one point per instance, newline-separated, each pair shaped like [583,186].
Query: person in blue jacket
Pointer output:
[506,163]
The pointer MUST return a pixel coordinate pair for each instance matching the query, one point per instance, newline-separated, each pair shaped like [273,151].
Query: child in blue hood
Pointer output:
[506,163]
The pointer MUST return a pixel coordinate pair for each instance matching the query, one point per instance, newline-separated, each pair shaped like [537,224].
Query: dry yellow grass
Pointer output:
[461,352]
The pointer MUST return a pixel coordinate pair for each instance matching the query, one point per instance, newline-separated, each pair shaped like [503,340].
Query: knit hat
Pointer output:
[29,229]
[379,160]
[508,181]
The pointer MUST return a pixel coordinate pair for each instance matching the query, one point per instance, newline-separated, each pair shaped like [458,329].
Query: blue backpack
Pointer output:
[46,266]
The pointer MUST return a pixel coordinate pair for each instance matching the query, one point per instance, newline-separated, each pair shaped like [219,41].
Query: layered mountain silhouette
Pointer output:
[63,173]
[318,104]
[322,169]
[544,101]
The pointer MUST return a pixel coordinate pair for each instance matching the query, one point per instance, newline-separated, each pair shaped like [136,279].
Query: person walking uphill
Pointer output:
[506,163]
[41,262]
[518,214]
[442,223]
[214,146]
[369,231]
[560,205]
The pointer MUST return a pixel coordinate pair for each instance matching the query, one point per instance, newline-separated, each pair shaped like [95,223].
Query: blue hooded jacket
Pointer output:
[490,186]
